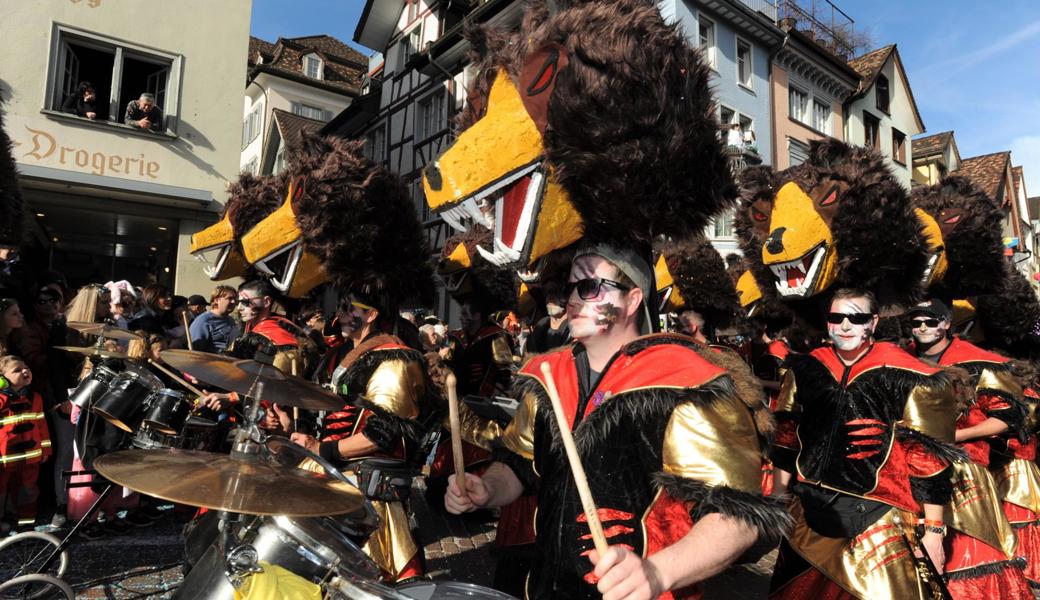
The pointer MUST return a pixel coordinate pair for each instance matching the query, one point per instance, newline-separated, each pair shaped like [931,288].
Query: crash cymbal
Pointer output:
[247,485]
[105,330]
[241,375]
[92,351]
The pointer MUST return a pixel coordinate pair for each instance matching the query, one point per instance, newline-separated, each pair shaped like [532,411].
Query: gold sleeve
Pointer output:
[397,386]
[283,359]
[715,444]
[474,428]
[519,434]
[501,353]
[999,381]
[785,401]
[932,410]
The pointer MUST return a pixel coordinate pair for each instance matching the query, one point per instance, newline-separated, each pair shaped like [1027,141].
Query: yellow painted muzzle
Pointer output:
[673,300]
[796,229]
[219,234]
[936,247]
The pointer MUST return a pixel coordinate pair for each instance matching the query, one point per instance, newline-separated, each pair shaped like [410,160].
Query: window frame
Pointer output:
[806,120]
[828,128]
[403,46]
[888,94]
[54,93]
[869,118]
[298,106]
[749,84]
[421,135]
[250,131]
[899,150]
[727,221]
[313,58]
[379,131]
[710,49]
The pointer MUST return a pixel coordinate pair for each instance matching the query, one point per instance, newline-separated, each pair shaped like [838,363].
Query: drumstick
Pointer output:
[177,378]
[456,431]
[580,481]
[187,332]
[295,409]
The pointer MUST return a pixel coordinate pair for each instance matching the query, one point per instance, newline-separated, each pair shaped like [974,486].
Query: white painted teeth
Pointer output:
[263,268]
[502,256]
[452,218]
[457,216]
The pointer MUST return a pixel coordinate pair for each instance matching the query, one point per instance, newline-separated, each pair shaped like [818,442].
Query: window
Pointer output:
[409,47]
[251,166]
[375,144]
[724,224]
[881,93]
[312,66]
[799,105]
[706,40]
[311,112]
[797,152]
[821,116]
[251,126]
[120,72]
[430,117]
[413,9]
[898,146]
[279,158]
[871,131]
[743,63]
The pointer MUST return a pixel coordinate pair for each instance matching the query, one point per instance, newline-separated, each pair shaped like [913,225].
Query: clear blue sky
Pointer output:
[974,66]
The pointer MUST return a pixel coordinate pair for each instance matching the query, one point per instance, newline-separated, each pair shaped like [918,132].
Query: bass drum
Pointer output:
[450,590]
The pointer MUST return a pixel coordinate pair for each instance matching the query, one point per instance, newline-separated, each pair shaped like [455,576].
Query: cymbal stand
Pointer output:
[242,559]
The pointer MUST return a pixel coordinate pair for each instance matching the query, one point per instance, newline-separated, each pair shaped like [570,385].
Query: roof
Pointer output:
[344,67]
[987,172]
[869,66]
[378,22]
[931,144]
[1034,208]
[291,128]
[1016,177]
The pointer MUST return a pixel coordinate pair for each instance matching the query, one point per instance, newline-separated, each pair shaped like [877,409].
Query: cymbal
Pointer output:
[240,375]
[222,482]
[93,351]
[105,330]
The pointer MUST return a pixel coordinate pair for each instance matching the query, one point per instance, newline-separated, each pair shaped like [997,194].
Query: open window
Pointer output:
[119,71]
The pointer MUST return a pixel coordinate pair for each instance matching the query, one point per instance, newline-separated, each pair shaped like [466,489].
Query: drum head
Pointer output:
[450,590]
[324,539]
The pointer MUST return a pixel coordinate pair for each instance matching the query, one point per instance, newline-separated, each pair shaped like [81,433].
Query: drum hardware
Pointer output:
[103,331]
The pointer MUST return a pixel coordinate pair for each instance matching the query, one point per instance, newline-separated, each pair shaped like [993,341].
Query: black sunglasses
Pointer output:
[589,289]
[927,322]
[835,318]
[46,300]
[247,301]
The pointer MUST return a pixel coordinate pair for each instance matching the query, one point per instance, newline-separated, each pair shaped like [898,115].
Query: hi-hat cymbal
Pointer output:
[248,485]
[105,330]
[93,351]
[241,375]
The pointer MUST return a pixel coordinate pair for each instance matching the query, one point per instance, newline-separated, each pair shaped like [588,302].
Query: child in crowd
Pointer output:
[24,443]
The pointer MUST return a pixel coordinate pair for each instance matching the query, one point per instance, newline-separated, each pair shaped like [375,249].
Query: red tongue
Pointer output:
[795,276]
[512,208]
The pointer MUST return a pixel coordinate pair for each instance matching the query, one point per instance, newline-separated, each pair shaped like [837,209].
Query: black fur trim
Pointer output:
[700,277]
[12,207]
[385,429]
[523,468]
[937,489]
[948,452]
[1009,317]
[1019,562]
[783,458]
[769,516]
[361,370]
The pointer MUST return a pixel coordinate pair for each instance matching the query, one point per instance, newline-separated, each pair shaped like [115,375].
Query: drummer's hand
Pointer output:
[623,574]
[215,400]
[307,441]
[280,419]
[476,496]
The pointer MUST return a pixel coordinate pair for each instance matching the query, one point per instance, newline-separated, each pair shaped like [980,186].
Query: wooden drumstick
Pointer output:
[456,431]
[187,329]
[177,378]
[578,471]
[295,409]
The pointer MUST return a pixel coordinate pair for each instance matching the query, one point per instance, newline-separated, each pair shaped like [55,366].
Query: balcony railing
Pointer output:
[741,158]
[821,20]
[766,7]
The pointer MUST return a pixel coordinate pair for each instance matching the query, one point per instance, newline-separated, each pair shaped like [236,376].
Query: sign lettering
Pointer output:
[45,146]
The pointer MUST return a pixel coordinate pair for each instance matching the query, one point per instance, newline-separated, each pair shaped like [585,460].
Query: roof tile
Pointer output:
[931,144]
[987,172]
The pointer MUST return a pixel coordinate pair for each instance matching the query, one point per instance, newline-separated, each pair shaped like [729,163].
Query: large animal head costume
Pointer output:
[598,122]
[345,220]
[1010,317]
[12,209]
[218,246]
[963,231]
[839,219]
[469,277]
[691,275]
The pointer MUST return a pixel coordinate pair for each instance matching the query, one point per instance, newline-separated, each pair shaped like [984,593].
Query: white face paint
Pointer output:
[554,310]
[596,315]
[925,335]
[847,336]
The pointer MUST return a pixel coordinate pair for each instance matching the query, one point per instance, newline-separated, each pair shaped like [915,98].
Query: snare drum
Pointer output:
[123,405]
[93,386]
[450,590]
[167,411]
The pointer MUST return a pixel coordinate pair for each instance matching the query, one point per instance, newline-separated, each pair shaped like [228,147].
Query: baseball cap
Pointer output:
[932,308]
[196,300]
